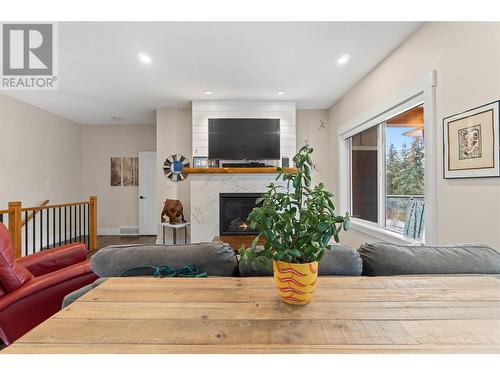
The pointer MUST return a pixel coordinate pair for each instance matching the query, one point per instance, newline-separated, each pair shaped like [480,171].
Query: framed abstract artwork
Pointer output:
[471,143]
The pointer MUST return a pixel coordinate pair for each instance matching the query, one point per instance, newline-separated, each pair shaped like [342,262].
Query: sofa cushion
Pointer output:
[51,260]
[214,258]
[254,268]
[340,260]
[12,275]
[381,258]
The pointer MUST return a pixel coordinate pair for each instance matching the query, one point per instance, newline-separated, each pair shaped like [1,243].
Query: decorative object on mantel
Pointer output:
[173,210]
[297,226]
[174,166]
[471,143]
[204,162]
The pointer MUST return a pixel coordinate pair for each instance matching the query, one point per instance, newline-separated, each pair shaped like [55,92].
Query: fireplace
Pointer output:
[234,209]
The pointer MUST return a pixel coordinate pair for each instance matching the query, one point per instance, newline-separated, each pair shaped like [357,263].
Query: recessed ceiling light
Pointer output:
[343,59]
[208,92]
[116,118]
[281,92]
[143,58]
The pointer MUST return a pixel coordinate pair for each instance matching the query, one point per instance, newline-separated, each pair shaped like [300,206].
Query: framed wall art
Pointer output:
[130,174]
[116,171]
[471,144]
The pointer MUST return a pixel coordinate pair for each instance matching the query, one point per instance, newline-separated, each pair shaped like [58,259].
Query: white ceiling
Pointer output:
[100,75]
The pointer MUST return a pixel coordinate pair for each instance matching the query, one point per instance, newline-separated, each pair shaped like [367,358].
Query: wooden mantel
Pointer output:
[235,170]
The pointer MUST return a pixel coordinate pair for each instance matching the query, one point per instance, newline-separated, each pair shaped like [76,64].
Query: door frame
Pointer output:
[142,230]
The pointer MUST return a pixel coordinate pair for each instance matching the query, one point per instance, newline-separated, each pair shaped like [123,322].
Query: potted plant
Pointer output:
[297,222]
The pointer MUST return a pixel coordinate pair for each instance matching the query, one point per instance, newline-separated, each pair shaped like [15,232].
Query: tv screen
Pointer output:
[243,138]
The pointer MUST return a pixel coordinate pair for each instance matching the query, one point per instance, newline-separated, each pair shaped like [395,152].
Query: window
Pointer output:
[387,173]
[364,159]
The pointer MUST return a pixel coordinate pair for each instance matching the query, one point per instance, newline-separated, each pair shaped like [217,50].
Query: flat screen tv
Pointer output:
[243,138]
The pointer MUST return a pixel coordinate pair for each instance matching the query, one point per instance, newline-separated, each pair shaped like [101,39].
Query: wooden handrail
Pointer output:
[55,206]
[15,222]
[30,216]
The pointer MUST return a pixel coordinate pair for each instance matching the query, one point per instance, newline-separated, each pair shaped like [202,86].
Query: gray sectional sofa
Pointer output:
[371,259]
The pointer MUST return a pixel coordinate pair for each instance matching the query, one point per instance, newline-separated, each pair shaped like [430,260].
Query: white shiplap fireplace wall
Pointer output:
[205,189]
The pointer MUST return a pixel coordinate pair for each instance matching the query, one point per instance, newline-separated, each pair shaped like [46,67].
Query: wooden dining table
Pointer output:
[396,314]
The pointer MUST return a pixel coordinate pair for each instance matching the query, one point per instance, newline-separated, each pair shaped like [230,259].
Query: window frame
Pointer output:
[420,92]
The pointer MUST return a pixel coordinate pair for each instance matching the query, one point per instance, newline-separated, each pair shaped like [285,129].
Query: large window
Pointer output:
[387,174]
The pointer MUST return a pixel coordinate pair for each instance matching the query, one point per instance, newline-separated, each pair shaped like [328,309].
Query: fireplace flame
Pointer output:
[244,226]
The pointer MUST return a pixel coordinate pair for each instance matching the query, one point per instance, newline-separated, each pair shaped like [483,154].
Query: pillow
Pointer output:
[12,275]
[385,259]
[340,260]
[214,258]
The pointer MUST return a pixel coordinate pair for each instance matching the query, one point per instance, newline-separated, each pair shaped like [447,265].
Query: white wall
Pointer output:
[117,205]
[466,57]
[203,110]
[173,136]
[40,155]
[312,128]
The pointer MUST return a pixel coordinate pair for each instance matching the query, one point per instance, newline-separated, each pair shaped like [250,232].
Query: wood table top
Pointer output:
[415,314]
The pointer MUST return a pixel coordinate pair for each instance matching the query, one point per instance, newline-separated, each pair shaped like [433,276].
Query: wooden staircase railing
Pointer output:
[58,224]
[30,216]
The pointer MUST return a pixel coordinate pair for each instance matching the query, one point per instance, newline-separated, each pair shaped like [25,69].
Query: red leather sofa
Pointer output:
[32,288]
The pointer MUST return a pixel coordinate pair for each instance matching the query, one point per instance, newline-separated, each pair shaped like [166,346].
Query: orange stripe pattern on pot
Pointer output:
[295,281]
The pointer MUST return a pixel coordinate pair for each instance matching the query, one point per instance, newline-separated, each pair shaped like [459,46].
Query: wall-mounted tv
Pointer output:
[244,138]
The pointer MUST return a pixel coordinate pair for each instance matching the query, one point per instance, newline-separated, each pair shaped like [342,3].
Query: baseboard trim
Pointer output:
[108,231]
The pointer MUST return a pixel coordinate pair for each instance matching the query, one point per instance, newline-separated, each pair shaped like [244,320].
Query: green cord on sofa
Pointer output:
[191,270]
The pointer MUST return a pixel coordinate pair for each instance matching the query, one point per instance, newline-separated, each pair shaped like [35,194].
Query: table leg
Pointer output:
[163,230]
[185,234]
[175,236]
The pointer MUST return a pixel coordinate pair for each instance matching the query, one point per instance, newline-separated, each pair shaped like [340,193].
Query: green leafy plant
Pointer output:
[296,220]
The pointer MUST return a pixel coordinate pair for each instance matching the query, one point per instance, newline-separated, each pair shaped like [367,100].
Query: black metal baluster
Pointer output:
[88,225]
[25,233]
[48,229]
[41,230]
[65,224]
[80,222]
[53,227]
[59,226]
[70,224]
[84,223]
[34,231]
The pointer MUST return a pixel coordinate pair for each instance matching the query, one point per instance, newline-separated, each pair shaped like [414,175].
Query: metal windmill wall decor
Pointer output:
[174,166]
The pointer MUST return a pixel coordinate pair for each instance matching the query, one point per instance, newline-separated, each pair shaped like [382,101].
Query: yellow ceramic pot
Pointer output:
[295,281]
